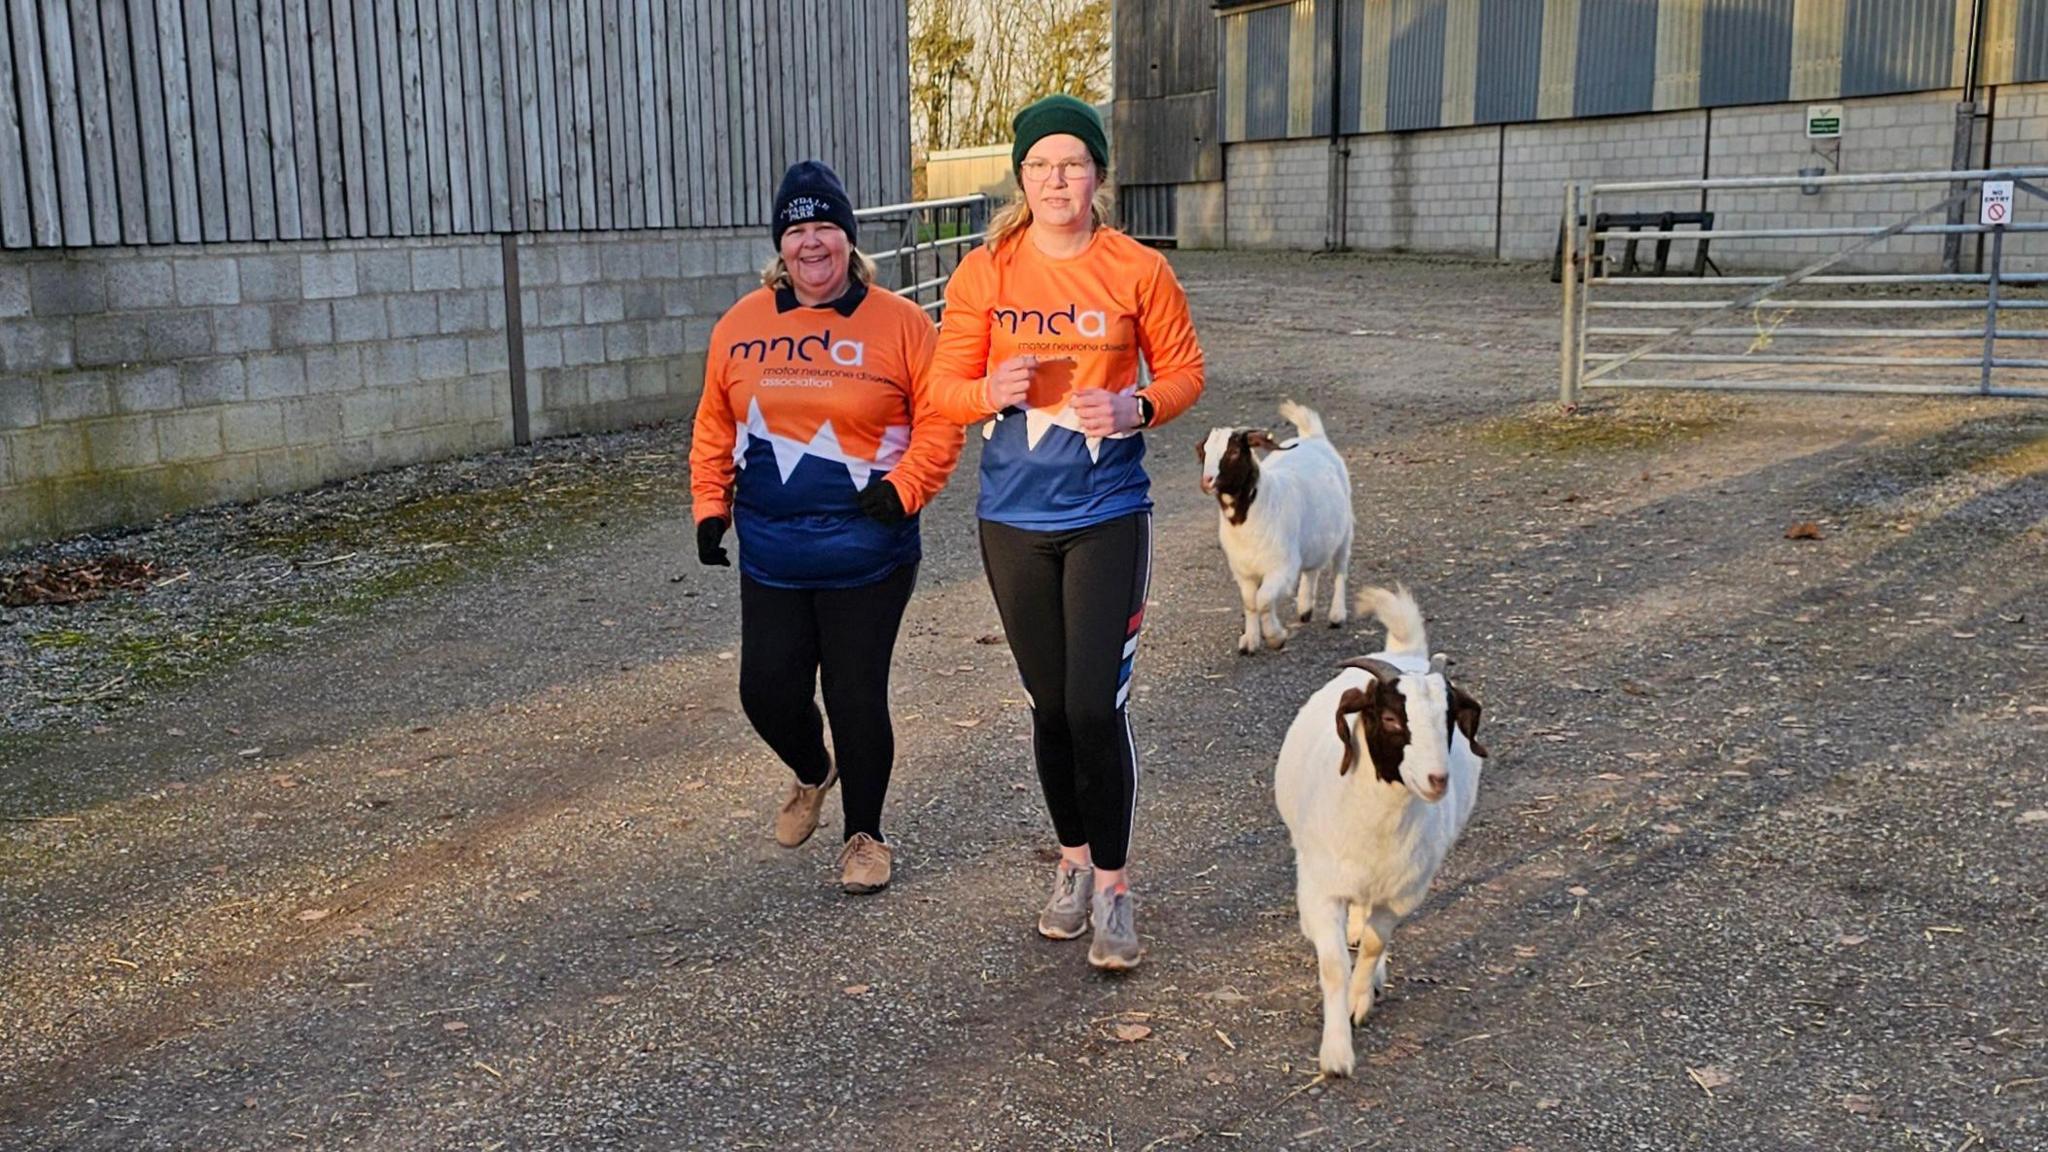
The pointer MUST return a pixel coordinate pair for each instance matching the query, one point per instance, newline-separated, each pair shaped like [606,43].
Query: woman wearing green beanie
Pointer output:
[1043,331]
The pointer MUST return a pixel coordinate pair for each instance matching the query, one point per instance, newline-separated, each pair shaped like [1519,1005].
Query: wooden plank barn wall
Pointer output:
[253,246]
[201,121]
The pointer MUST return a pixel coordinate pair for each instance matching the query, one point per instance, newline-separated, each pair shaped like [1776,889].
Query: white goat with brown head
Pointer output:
[1283,520]
[1375,781]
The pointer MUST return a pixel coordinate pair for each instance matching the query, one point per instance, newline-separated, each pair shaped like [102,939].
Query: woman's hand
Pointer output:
[882,502]
[710,531]
[1010,383]
[1104,413]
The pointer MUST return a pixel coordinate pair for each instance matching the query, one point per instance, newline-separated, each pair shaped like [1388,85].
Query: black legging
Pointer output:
[1072,603]
[788,637]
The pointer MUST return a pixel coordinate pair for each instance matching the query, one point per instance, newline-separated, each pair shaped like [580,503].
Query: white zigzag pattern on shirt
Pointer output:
[824,445]
[1037,422]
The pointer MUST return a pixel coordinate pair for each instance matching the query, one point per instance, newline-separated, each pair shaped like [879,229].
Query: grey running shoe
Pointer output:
[1066,914]
[1115,947]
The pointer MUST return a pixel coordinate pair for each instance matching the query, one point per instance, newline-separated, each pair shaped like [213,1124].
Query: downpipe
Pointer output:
[1969,111]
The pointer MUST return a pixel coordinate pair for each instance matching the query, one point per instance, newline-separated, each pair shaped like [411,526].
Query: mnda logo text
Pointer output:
[845,353]
[1091,323]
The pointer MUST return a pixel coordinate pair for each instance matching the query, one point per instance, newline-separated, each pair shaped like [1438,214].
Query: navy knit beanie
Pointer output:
[811,191]
[1057,115]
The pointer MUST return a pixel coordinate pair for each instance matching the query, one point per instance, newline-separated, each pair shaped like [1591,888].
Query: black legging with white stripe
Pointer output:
[1072,603]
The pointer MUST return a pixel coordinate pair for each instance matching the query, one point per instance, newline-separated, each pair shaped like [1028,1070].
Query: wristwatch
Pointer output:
[1146,412]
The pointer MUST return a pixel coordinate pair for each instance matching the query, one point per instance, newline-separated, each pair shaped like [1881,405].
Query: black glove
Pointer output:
[710,531]
[881,501]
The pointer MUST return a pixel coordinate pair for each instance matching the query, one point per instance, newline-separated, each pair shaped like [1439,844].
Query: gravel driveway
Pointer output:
[419,813]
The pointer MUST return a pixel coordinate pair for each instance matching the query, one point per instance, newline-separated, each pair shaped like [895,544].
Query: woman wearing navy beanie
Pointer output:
[815,439]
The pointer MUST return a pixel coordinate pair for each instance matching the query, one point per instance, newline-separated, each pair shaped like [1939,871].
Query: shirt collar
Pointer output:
[785,299]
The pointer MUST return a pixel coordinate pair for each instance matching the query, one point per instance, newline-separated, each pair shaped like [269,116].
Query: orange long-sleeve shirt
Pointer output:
[802,409]
[1087,318]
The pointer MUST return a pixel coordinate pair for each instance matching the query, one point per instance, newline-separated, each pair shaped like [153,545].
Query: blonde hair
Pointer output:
[1013,218]
[860,268]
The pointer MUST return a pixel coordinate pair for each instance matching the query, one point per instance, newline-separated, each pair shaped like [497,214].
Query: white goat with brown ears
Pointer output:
[1283,521]
[1367,843]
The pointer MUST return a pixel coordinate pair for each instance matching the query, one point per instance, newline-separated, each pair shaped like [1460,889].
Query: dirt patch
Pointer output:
[101,623]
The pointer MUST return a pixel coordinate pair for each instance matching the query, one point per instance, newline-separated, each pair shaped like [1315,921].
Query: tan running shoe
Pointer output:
[864,865]
[798,817]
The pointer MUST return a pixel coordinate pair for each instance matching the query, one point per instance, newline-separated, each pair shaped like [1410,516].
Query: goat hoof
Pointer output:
[1337,1059]
[1361,1007]
[1336,621]
[1306,616]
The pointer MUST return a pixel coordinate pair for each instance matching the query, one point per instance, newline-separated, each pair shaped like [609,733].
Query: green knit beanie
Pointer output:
[1056,115]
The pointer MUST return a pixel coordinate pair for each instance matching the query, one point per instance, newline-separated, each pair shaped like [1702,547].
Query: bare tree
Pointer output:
[941,52]
[973,63]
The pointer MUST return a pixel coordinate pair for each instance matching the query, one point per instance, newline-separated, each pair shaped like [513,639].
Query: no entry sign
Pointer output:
[1996,206]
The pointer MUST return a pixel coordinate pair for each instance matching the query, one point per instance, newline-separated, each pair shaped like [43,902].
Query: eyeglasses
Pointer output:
[1071,171]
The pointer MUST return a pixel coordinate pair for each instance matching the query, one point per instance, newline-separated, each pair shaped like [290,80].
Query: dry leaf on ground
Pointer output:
[1710,1078]
[1132,1033]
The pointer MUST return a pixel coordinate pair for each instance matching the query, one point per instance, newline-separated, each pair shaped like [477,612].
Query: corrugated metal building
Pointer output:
[1420,90]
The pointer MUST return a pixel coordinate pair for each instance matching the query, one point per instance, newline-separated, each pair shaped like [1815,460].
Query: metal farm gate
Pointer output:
[1825,327]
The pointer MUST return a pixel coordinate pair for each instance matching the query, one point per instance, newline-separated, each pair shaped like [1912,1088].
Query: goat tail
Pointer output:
[1305,419]
[1403,619]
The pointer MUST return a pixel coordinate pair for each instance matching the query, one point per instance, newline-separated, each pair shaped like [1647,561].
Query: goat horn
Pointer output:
[1382,671]
[1438,663]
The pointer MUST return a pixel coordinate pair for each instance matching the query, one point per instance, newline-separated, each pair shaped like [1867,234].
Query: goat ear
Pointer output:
[1350,704]
[1201,451]
[1465,714]
[1260,438]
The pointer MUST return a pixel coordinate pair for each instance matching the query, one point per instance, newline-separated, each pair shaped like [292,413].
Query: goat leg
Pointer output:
[1271,589]
[1248,592]
[1339,602]
[1322,921]
[1369,977]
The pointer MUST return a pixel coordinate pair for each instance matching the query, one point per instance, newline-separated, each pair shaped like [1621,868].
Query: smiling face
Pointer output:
[816,255]
[1059,180]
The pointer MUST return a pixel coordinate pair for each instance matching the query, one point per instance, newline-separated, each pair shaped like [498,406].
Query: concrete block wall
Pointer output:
[616,326]
[139,381]
[1914,133]
[1541,158]
[1200,215]
[2019,138]
[1278,194]
[1425,191]
[1442,191]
